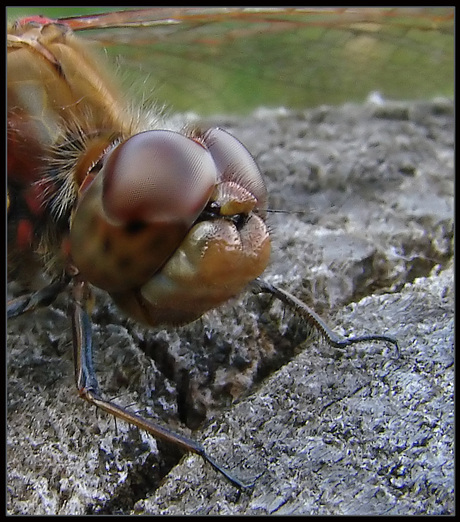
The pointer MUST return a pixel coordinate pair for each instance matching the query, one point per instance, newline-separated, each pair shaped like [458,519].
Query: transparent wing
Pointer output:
[233,60]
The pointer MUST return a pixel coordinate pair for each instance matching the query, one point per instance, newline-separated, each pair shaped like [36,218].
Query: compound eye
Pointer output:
[235,163]
[157,176]
[135,213]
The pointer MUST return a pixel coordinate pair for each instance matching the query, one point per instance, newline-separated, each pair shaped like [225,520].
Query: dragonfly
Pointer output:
[84,210]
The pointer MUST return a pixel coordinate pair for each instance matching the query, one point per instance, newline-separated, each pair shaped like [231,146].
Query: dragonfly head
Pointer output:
[172,224]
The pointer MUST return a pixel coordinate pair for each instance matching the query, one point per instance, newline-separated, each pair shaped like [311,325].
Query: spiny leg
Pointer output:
[89,390]
[311,317]
[43,297]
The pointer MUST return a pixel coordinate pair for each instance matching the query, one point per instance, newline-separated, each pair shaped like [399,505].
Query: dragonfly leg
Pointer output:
[30,302]
[312,318]
[89,390]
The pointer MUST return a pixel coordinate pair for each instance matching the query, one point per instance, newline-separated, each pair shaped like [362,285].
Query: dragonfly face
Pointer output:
[177,224]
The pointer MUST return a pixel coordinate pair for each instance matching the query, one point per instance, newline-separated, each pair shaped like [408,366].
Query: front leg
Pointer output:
[312,318]
[89,390]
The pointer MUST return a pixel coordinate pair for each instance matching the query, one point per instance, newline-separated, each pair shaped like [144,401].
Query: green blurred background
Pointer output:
[318,61]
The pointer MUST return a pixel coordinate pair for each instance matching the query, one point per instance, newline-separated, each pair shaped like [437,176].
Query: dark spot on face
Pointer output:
[134,227]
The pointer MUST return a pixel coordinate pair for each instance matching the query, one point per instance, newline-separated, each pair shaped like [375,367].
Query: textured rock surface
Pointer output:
[359,432]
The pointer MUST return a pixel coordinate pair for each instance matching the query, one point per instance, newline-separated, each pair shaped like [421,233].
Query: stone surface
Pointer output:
[364,431]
